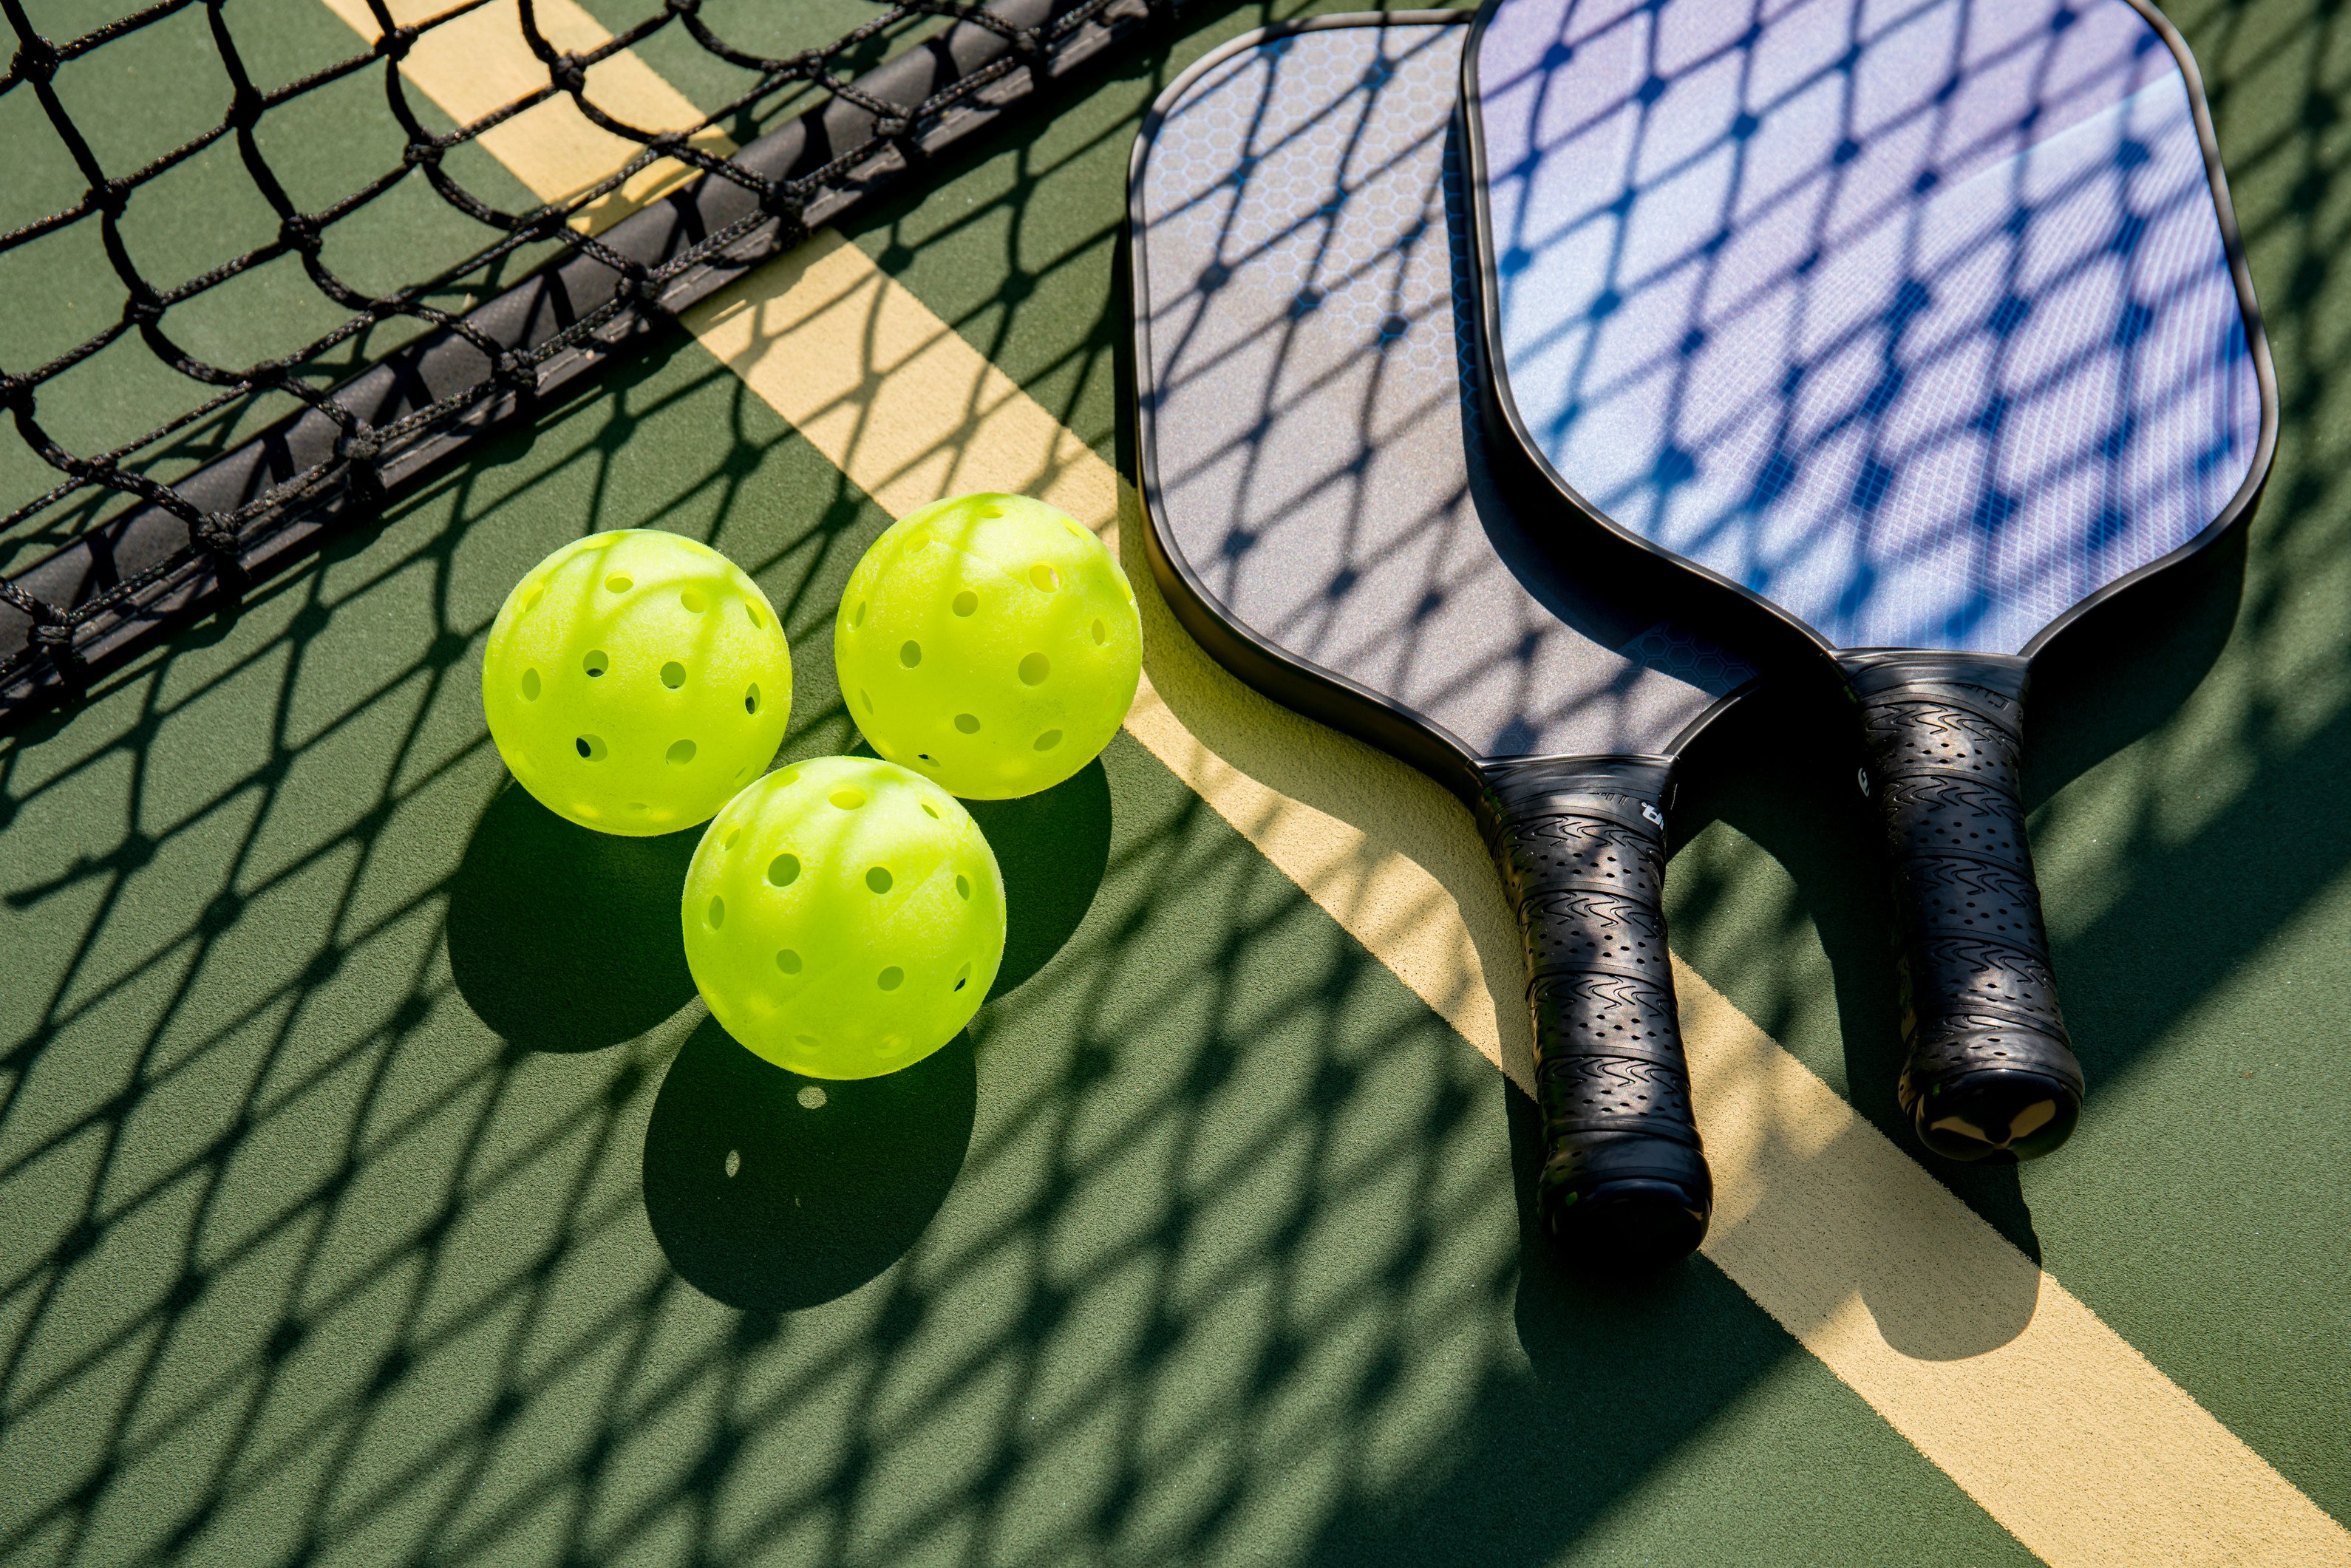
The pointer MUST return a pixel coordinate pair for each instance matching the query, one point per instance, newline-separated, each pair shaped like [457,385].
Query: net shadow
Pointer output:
[309,1261]
[302,1262]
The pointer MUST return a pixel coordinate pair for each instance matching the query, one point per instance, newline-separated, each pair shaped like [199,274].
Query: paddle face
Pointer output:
[1921,324]
[1304,433]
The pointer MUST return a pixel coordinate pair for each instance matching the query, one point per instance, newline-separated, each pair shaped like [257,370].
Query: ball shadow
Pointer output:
[771,1192]
[1054,848]
[563,939]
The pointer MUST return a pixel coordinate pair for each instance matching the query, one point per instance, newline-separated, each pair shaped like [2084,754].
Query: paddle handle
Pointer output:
[1581,845]
[1990,1072]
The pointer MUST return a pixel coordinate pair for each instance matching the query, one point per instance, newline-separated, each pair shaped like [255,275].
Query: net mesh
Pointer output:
[258,444]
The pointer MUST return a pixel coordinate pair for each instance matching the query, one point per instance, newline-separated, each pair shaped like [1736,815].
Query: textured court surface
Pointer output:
[365,1180]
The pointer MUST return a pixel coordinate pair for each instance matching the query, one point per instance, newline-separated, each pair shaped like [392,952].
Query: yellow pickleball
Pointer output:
[635,680]
[843,918]
[990,643]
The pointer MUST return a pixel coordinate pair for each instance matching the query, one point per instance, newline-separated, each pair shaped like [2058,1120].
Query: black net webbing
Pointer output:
[120,554]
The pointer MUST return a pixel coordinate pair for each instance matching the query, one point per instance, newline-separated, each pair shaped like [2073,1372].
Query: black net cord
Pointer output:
[186,548]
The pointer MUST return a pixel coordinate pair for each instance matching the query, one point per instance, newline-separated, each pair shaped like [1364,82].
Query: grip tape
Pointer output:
[1581,845]
[1943,735]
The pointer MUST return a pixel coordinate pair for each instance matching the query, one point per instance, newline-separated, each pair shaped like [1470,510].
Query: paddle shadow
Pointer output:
[1054,848]
[1625,1370]
[563,939]
[1783,770]
[771,1192]
[2126,668]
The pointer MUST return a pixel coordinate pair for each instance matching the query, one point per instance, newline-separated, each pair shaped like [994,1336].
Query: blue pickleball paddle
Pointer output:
[1924,326]
[1323,521]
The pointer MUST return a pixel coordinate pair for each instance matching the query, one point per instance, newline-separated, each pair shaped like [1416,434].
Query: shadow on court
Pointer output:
[1052,848]
[1206,1244]
[771,1192]
[565,939]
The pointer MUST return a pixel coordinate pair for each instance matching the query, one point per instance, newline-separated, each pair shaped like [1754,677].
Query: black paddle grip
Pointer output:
[1991,1073]
[1581,843]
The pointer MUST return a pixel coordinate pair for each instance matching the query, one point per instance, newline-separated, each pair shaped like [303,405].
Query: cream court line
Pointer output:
[480,63]
[2055,1424]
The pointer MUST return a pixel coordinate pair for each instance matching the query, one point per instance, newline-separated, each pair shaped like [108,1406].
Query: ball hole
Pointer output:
[789,777]
[1050,739]
[1101,632]
[788,961]
[620,583]
[717,915]
[782,872]
[672,674]
[537,594]
[591,747]
[1034,669]
[1044,577]
[910,653]
[967,723]
[694,600]
[878,879]
[595,663]
[811,1097]
[865,699]
[758,616]
[733,836]
[932,812]
[751,698]
[1076,532]
[963,977]
[681,753]
[967,603]
[987,510]
[857,616]
[530,685]
[847,800]
[808,1040]
[963,886]
[891,978]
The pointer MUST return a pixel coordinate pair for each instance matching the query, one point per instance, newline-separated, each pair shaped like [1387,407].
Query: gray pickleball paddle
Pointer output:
[1925,326]
[1322,520]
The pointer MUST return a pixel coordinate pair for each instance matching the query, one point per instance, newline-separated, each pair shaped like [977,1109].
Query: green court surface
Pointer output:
[374,1188]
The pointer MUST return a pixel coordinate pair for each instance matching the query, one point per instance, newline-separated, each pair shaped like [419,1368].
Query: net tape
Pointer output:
[177,550]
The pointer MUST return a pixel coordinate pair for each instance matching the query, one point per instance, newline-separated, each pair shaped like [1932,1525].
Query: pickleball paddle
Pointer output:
[1926,327]
[1323,521]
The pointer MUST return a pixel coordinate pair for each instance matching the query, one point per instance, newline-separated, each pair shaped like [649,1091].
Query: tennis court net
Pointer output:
[258,452]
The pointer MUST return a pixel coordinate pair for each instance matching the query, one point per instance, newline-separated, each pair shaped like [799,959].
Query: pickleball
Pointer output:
[990,643]
[634,680]
[843,918]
